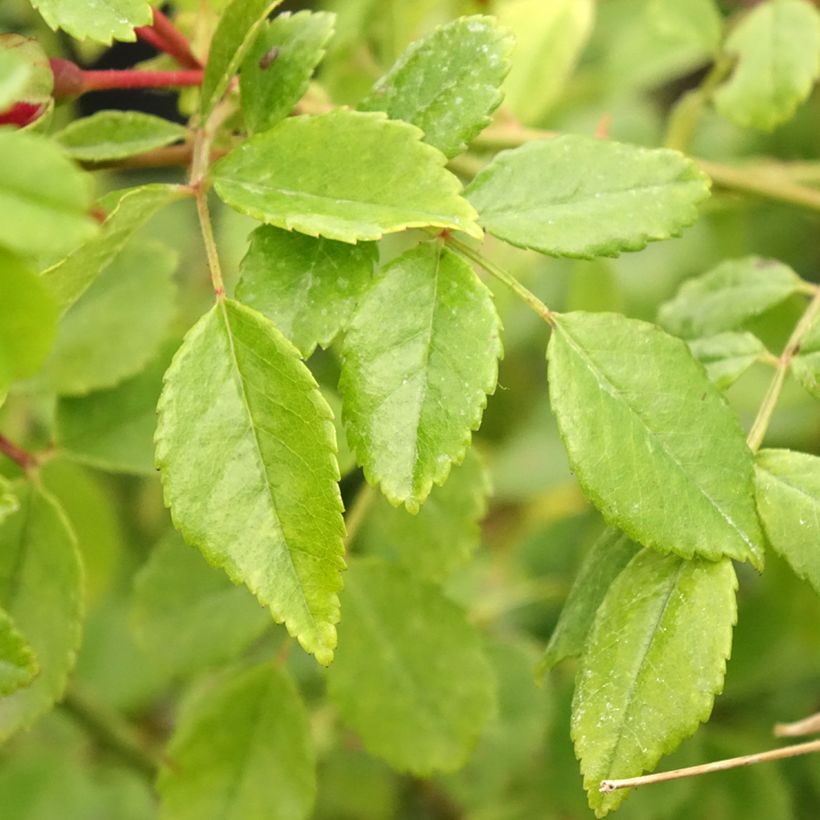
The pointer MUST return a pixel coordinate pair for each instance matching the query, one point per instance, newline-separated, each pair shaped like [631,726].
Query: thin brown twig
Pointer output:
[798,728]
[21,457]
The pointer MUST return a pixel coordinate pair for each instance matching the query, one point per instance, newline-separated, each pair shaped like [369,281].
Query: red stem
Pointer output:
[133,78]
[17,454]
[164,36]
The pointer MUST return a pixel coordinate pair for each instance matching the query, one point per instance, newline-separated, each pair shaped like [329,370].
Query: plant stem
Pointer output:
[764,414]
[111,732]
[717,766]
[509,280]
[358,512]
[206,226]
[806,726]
[134,78]
[21,457]
[165,36]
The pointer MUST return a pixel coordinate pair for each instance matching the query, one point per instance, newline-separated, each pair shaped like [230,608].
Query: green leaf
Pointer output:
[344,175]
[696,21]
[447,83]
[271,85]
[806,366]
[583,197]
[42,194]
[777,47]
[442,535]
[18,664]
[114,429]
[117,326]
[346,457]
[246,447]
[420,357]
[245,747]
[41,591]
[14,74]
[653,663]
[34,82]
[727,356]
[233,38]
[651,439]
[727,296]
[28,320]
[549,38]
[129,210]
[788,500]
[603,564]
[101,22]
[109,135]
[393,678]
[8,500]
[307,287]
[188,615]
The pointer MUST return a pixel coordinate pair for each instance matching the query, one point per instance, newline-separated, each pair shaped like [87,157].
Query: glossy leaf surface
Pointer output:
[238,27]
[41,194]
[727,296]
[101,22]
[777,47]
[447,83]
[788,499]
[187,614]
[420,357]
[607,557]
[18,665]
[308,287]
[41,591]
[663,621]
[247,451]
[109,135]
[392,679]
[277,69]
[129,210]
[650,438]
[582,197]
[344,175]
[727,356]
[243,746]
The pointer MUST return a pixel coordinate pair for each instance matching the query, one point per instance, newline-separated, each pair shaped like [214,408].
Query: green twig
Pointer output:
[509,280]
[764,414]
[358,512]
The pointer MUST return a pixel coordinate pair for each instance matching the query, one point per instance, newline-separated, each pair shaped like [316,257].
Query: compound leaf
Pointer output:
[187,614]
[235,34]
[777,46]
[277,70]
[393,680]
[727,356]
[727,296]
[109,135]
[41,591]
[651,439]
[653,663]
[604,562]
[42,194]
[448,83]
[128,210]
[244,746]
[246,447]
[308,287]
[117,326]
[101,22]
[28,320]
[420,357]
[442,535]
[18,665]
[788,500]
[345,175]
[583,197]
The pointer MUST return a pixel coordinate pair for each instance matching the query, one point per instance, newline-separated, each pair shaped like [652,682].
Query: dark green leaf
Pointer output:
[788,500]
[651,439]
[277,70]
[602,565]
[393,679]
[420,357]
[344,175]
[448,83]
[307,287]
[246,447]
[244,747]
[653,663]
[583,197]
